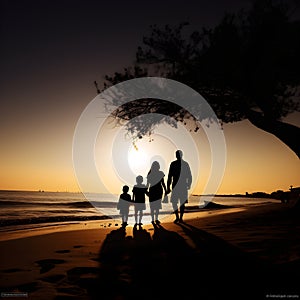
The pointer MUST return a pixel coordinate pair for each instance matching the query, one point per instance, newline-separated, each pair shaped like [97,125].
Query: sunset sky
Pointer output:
[51,53]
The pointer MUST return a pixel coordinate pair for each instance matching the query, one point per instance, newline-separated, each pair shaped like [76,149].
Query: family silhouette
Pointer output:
[179,181]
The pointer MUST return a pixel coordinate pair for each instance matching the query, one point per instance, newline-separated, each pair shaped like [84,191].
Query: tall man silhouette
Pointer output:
[180,177]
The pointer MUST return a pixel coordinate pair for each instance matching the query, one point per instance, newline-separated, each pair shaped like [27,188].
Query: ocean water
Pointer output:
[22,209]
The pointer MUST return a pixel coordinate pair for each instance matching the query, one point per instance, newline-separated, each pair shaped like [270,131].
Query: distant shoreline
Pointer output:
[283,196]
[233,195]
[249,195]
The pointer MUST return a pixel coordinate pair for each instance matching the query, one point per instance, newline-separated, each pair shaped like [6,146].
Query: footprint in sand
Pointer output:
[48,264]
[53,278]
[27,287]
[12,270]
[78,273]
[63,251]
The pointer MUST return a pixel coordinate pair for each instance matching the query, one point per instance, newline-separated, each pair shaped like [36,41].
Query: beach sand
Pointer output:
[218,253]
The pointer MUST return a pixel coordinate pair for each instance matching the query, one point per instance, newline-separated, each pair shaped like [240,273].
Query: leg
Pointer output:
[174,201]
[182,209]
[123,219]
[183,199]
[175,209]
[152,215]
[157,214]
[141,216]
[126,214]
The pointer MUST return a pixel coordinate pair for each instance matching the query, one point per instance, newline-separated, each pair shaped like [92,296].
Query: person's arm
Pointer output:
[189,177]
[164,186]
[169,181]
[119,203]
[148,183]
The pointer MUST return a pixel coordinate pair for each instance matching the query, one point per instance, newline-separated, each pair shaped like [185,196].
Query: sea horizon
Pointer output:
[237,194]
[31,209]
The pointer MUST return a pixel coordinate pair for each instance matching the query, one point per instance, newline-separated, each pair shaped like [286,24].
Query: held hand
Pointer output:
[165,198]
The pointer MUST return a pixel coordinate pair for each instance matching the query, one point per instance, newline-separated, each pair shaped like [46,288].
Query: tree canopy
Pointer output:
[246,67]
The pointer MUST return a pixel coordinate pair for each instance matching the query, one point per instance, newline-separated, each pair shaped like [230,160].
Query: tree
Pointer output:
[246,67]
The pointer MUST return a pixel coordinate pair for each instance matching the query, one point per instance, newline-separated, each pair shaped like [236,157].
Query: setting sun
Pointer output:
[138,159]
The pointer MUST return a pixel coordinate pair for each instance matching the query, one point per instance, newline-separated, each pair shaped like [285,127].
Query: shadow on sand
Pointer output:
[166,266]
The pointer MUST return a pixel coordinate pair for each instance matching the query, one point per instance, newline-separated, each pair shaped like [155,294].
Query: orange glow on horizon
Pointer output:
[256,161]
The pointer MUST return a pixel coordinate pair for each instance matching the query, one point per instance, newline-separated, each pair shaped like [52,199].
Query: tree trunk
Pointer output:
[289,134]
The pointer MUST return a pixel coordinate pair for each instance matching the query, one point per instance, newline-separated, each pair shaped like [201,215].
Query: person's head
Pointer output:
[125,189]
[155,166]
[179,154]
[139,179]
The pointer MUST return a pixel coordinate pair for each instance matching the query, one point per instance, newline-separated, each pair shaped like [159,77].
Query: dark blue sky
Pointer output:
[52,51]
[79,41]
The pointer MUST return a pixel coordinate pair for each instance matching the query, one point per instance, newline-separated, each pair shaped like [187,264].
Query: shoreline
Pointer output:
[192,211]
[77,261]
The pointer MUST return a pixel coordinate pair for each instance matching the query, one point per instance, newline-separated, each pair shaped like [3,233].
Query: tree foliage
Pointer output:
[246,67]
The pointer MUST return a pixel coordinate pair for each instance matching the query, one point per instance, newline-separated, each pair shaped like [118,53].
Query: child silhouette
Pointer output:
[138,197]
[124,204]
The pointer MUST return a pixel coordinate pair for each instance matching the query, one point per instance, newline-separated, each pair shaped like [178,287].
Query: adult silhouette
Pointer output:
[180,177]
[156,185]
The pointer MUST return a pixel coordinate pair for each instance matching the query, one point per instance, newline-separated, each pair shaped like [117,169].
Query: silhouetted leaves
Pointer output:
[246,67]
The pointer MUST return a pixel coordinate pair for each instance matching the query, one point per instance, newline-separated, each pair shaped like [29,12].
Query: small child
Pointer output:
[124,204]
[138,197]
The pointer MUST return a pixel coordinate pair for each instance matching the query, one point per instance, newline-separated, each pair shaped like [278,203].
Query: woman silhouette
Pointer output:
[156,185]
